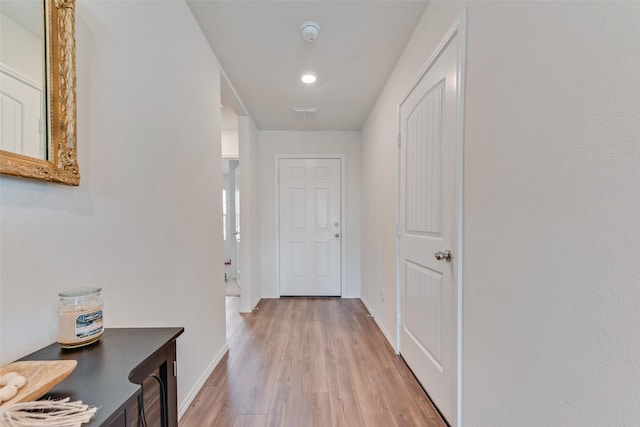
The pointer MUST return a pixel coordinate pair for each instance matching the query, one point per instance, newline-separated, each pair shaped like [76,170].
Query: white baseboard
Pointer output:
[386,334]
[194,391]
[252,307]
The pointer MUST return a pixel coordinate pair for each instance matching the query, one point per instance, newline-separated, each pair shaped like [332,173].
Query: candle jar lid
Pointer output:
[80,292]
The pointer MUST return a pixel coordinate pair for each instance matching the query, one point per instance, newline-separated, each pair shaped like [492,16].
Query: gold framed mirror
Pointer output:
[52,155]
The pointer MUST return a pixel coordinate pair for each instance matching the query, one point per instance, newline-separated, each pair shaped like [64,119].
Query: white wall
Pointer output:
[551,322]
[230,144]
[309,142]
[249,215]
[145,223]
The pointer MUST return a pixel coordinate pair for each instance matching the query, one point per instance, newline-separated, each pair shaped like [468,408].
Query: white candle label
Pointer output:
[89,324]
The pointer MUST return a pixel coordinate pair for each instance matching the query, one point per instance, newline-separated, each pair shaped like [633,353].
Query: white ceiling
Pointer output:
[259,46]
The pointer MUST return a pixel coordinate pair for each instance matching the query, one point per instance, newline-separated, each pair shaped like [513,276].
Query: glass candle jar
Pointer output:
[80,317]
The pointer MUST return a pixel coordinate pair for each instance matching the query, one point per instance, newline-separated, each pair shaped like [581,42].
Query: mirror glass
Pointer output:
[38,90]
[23,83]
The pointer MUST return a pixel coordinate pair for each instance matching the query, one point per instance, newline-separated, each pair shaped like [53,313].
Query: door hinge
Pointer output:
[398,231]
[175,368]
[399,141]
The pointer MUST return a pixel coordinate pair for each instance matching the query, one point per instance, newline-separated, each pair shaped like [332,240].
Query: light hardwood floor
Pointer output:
[309,362]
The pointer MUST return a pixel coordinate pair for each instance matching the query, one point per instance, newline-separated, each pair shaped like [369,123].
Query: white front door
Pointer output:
[428,229]
[310,226]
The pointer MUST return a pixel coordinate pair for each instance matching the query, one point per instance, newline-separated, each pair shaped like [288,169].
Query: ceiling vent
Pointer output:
[304,113]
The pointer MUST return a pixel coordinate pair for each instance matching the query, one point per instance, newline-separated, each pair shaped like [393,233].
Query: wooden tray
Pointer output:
[41,376]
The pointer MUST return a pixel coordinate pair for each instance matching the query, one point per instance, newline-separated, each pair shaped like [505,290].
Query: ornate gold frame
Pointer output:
[62,165]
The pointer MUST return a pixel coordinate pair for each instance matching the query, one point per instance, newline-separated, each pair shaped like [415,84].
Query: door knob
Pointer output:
[337,234]
[443,256]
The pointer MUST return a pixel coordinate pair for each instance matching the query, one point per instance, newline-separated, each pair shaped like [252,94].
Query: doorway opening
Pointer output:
[231,225]
[238,148]
[230,200]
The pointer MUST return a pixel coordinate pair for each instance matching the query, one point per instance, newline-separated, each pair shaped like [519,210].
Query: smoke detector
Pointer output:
[310,30]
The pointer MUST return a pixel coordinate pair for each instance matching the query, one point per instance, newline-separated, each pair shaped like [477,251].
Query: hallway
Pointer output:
[309,362]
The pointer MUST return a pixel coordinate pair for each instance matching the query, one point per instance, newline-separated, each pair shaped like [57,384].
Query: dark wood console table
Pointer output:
[110,372]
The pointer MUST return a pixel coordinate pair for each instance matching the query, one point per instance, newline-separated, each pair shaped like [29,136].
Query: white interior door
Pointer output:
[310,226]
[428,224]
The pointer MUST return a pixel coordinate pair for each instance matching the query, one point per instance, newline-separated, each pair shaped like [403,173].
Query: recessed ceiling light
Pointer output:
[308,78]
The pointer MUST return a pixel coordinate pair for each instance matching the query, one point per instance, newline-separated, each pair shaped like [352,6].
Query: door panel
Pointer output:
[428,219]
[322,259]
[298,208]
[424,147]
[298,264]
[423,320]
[309,226]
[322,204]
